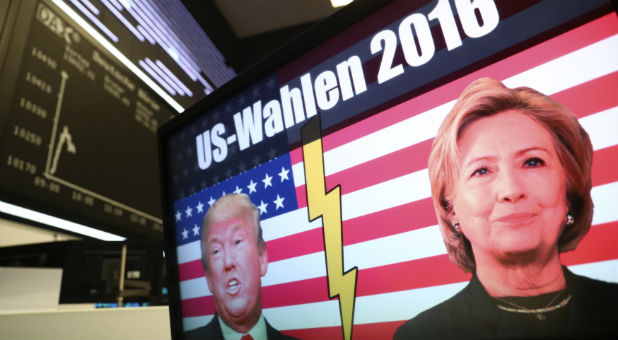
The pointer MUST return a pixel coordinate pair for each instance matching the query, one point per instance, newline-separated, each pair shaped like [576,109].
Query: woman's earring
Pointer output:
[570,220]
[457,229]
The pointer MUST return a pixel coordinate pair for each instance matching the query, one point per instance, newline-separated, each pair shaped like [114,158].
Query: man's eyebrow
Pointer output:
[237,226]
[213,239]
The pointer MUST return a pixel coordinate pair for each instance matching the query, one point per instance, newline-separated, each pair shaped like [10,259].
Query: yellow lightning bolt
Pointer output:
[328,205]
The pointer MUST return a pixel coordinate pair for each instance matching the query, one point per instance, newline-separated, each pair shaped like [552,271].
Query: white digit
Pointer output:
[386,71]
[414,57]
[444,14]
[488,12]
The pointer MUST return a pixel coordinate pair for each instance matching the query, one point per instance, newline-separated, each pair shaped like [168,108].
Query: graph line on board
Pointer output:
[52,140]
[65,137]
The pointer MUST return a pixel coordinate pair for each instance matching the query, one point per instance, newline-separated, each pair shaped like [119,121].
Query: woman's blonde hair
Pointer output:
[486,97]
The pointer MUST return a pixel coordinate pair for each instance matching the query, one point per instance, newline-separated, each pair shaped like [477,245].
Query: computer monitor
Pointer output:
[338,125]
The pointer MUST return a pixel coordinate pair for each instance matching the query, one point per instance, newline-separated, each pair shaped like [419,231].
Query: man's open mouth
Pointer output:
[232,287]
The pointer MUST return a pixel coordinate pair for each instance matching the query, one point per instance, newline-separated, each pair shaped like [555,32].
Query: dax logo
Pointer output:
[50,19]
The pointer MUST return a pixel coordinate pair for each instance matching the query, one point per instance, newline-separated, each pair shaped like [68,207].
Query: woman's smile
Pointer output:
[516,218]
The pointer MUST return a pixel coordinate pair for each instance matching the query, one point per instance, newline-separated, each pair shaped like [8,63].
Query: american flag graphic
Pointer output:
[389,227]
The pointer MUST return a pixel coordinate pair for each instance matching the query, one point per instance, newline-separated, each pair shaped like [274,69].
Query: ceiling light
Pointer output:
[339,3]
[115,52]
[56,222]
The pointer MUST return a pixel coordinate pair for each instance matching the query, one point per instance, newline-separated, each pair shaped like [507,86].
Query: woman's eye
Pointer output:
[534,162]
[480,172]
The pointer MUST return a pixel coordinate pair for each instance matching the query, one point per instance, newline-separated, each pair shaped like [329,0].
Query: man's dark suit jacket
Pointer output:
[213,331]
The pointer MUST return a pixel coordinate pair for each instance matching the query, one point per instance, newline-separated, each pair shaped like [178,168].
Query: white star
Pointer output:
[188,211]
[200,207]
[196,230]
[185,234]
[262,207]
[279,202]
[267,181]
[284,174]
[211,201]
[251,186]
[178,215]
[238,190]
[223,194]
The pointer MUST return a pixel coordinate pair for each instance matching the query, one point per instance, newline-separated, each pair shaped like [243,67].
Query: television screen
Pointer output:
[330,140]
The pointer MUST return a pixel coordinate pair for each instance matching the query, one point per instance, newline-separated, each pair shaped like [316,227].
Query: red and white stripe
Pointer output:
[390,230]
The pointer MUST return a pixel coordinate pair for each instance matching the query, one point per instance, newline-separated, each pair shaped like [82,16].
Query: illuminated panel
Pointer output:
[121,57]
[177,67]
[165,77]
[124,21]
[96,21]
[173,77]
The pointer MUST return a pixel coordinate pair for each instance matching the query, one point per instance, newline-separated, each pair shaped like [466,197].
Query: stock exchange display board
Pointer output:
[78,128]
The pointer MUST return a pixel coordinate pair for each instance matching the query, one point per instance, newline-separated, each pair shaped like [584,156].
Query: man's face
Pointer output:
[235,266]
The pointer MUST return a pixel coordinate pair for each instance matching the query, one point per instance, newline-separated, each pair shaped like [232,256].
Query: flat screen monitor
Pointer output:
[330,139]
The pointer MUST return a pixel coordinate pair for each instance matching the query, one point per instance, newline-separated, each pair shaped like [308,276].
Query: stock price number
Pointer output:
[27,135]
[38,82]
[37,110]
[44,58]
[43,183]
[20,164]
[415,36]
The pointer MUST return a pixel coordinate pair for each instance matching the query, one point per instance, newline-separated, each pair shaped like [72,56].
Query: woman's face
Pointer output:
[510,194]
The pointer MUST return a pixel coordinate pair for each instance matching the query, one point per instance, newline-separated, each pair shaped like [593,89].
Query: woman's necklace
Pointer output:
[537,311]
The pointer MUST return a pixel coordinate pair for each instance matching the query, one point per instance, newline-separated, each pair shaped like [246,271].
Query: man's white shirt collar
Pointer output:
[258,331]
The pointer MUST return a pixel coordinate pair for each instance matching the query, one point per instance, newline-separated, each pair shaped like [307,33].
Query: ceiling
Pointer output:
[251,17]
[247,30]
